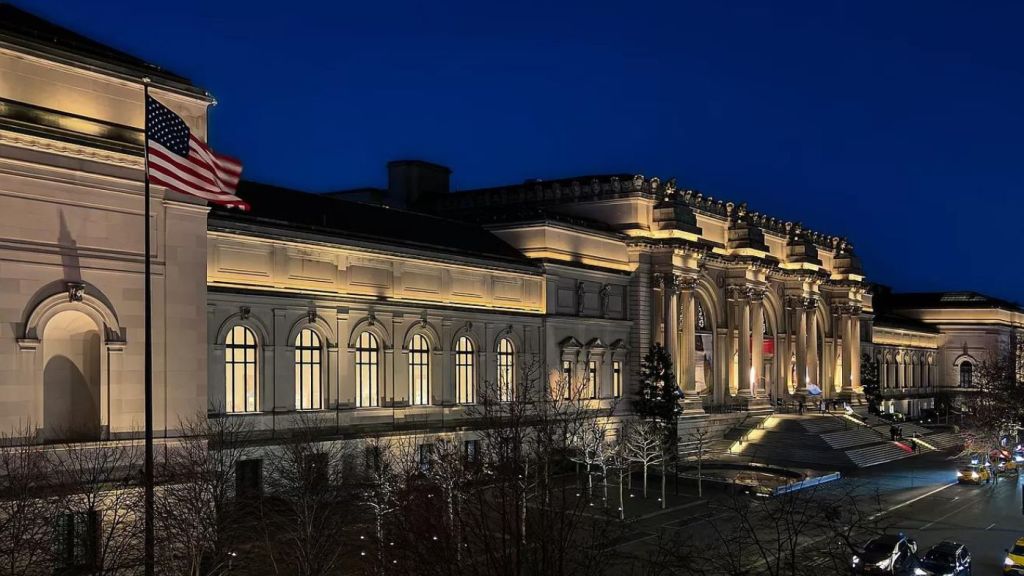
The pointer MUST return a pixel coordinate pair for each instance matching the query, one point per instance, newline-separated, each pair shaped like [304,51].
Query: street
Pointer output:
[917,496]
[986,518]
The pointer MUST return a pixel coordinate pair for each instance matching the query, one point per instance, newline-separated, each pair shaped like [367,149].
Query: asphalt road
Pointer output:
[930,507]
[919,497]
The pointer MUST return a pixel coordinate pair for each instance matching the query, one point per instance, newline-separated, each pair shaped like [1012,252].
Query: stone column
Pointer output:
[732,325]
[687,316]
[671,304]
[658,286]
[844,326]
[757,341]
[800,323]
[855,350]
[743,371]
[812,342]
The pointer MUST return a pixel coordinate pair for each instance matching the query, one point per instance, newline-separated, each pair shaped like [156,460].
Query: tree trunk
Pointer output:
[664,472]
[622,503]
[645,480]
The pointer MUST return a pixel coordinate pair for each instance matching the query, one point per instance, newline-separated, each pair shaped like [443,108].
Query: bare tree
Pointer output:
[644,446]
[798,533]
[200,525]
[699,437]
[307,510]
[997,408]
[26,509]
[99,527]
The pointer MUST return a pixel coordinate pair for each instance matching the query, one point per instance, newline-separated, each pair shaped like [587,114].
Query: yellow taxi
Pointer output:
[973,474]
[1014,563]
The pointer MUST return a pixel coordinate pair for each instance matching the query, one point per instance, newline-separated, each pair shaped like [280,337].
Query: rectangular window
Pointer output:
[617,379]
[471,449]
[77,539]
[567,378]
[426,450]
[592,386]
[248,479]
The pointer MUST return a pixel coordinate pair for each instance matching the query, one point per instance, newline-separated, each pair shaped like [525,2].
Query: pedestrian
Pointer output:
[899,432]
[913,445]
[800,406]
[821,406]
[892,432]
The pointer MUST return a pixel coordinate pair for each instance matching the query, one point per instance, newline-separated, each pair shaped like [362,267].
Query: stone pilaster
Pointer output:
[757,341]
[743,372]
[811,306]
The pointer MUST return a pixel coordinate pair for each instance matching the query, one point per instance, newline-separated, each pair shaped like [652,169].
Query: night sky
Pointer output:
[897,124]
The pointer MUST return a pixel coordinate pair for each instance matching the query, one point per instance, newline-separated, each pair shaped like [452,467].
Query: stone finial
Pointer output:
[670,186]
[616,185]
[655,184]
[638,182]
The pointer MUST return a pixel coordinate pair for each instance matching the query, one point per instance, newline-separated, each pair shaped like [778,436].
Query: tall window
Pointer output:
[966,374]
[617,379]
[419,370]
[567,379]
[240,374]
[506,370]
[367,369]
[592,386]
[308,394]
[465,371]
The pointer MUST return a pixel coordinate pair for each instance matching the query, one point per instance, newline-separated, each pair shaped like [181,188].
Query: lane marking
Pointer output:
[944,516]
[990,526]
[912,500]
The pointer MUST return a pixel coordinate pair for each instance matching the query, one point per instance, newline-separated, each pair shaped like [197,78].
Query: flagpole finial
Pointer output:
[146,80]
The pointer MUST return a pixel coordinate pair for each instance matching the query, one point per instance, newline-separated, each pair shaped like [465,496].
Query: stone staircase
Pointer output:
[823,441]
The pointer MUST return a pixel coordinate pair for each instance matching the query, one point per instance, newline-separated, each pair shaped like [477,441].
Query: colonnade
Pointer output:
[742,340]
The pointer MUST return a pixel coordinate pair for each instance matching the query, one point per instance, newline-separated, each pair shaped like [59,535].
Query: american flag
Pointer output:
[182,162]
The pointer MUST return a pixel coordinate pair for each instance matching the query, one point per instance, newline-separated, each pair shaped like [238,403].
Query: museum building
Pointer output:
[394,309]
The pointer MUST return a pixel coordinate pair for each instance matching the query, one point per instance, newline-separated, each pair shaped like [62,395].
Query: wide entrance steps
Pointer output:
[825,441]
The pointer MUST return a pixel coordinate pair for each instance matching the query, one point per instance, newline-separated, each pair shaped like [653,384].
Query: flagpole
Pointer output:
[150,548]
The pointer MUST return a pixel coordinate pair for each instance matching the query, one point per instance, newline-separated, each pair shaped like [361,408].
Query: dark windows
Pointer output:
[966,374]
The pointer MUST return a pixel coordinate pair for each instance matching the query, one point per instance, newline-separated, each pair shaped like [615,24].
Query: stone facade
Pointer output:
[568,277]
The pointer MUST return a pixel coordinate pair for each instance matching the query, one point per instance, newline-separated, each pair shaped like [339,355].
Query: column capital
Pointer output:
[756,293]
[811,302]
[794,302]
[685,283]
[737,292]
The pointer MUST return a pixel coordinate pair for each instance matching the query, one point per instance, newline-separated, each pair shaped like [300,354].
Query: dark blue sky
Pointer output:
[898,124]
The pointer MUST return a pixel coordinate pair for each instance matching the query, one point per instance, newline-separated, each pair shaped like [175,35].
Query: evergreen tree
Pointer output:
[869,381]
[659,394]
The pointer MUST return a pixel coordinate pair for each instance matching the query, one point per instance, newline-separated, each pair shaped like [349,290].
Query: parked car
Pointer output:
[973,474]
[1014,563]
[888,554]
[946,559]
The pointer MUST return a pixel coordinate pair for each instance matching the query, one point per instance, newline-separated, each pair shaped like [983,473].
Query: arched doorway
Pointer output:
[71,377]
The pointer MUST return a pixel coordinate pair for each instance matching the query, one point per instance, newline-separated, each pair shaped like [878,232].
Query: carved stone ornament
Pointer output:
[311,315]
[686,283]
[605,295]
[76,291]
[638,182]
[371,318]
[243,312]
[756,294]
[581,291]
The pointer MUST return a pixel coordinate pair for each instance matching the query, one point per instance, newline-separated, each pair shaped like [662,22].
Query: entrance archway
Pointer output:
[71,377]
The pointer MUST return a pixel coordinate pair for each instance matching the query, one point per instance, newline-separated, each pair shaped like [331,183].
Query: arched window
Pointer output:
[465,371]
[240,374]
[966,374]
[506,370]
[308,395]
[367,369]
[419,370]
